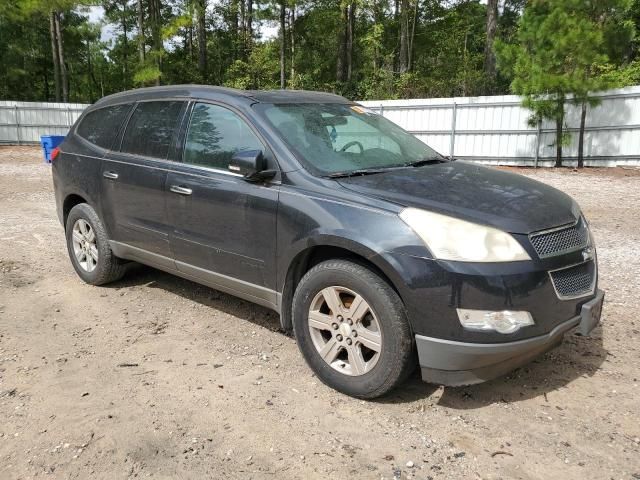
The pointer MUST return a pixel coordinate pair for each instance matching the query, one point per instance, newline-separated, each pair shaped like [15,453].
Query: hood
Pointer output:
[472,192]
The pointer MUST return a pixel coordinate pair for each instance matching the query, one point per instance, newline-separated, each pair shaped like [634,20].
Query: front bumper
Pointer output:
[451,363]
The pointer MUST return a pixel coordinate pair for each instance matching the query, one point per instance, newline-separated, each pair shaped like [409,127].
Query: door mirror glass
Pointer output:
[248,163]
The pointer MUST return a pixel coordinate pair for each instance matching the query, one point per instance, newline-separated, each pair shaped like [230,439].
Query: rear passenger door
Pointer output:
[225,226]
[134,178]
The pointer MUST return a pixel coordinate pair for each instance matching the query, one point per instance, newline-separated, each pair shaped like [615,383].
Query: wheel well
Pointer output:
[305,261]
[70,202]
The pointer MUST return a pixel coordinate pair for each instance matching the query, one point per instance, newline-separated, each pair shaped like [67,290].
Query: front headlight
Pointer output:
[451,239]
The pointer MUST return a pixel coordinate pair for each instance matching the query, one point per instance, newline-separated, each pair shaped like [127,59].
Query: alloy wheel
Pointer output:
[84,245]
[345,330]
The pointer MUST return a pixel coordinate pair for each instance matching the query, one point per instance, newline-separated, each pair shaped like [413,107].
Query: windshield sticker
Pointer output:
[359,109]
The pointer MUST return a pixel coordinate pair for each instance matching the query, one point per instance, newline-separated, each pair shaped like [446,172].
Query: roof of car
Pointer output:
[212,92]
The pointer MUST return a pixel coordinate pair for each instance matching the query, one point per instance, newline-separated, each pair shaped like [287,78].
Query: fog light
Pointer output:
[505,322]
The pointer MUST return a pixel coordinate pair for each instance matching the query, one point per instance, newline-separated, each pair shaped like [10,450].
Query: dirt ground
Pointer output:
[155,376]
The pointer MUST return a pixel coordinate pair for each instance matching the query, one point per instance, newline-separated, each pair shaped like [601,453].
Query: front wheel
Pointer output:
[352,330]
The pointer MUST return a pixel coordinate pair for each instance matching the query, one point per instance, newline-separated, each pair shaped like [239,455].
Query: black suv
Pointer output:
[373,248]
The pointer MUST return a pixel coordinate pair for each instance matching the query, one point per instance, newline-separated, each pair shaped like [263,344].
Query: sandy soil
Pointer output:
[155,376]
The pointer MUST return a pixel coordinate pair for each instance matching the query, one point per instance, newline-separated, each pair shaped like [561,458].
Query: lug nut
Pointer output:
[340,318]
[349,342]
[339,337]
[354,333]
[349,321]
[334,326]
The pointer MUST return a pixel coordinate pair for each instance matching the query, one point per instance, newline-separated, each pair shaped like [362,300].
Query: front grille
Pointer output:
[561,240]
[576,281]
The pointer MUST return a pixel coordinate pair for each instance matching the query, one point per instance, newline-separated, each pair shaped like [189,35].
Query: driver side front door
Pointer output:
[224,227]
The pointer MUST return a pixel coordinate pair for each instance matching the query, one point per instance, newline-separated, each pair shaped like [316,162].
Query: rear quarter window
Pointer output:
[101,126]
[151,127]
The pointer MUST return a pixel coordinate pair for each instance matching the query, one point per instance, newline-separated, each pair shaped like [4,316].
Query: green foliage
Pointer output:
[147,75]
[560,49]
[259,71]
[621,76]
[556,49]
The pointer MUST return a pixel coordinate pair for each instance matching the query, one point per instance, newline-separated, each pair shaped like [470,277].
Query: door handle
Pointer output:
[181,190]
[110,175]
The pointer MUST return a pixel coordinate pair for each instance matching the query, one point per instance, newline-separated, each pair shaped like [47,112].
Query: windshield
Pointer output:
[335,139]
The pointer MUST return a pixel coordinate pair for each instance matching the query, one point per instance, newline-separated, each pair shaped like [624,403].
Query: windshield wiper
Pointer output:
[354,173]
[371,171]
[426,161]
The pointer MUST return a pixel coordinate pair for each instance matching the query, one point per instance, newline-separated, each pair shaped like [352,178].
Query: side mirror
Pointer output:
[251,165]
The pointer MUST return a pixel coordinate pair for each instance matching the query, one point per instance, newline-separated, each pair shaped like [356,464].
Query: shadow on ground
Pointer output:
[576,357]
[139,275]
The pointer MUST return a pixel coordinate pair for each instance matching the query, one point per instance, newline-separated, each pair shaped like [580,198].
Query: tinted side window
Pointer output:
[101,126]
[151,128]
[215,134]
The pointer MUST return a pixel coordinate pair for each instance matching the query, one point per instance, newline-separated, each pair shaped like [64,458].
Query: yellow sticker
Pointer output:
[359,109]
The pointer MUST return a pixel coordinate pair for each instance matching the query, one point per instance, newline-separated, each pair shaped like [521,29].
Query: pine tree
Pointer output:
[560,43]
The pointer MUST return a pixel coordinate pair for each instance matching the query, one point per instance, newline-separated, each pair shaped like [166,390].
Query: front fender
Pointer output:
[346,240]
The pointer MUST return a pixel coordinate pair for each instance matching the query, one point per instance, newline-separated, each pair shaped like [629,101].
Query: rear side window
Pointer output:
[215,134]
[151,128]
[101,126]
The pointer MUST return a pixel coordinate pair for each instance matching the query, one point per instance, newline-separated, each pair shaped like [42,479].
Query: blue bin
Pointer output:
[49,142]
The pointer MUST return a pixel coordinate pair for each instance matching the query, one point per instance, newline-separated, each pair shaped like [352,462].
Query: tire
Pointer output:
[100,265]
[314,326]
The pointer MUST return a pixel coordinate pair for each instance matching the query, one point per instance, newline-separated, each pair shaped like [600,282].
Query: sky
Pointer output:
[96,14]
[268,30]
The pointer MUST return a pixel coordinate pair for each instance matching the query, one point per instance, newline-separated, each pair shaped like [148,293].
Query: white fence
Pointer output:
[24,122]
[495,129]
[486,129]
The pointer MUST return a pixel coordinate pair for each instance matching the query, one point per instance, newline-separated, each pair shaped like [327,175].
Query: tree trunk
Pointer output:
[403,63]
[202,39]
[235,26]
[155,14]
[243,29]
[583,121]
[125,59]
[464,64]
[283,43]
[63,68]
[69,76]
[101,83]
[249,26]
[292,40]
[158,38]
[94,82]
[140,32]
[351,24]
[379,16]
[492,27]
[396,21]
[413,34]
[342,44]
[45,86]
[559,126]
[54,54]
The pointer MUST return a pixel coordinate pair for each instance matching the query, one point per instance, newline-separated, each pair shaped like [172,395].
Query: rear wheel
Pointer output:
[89,249]
[352,329]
